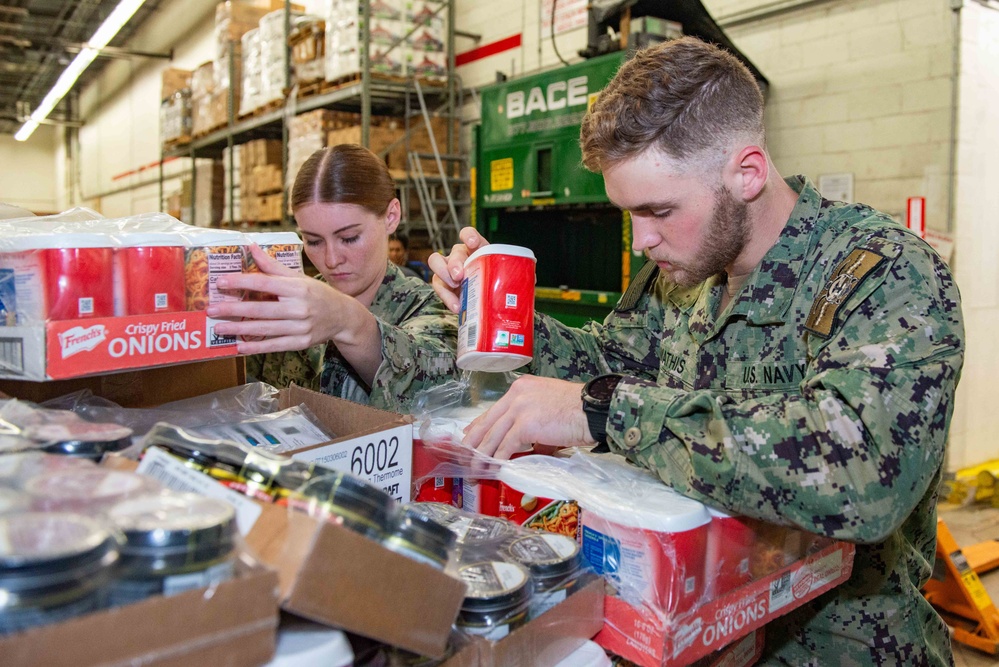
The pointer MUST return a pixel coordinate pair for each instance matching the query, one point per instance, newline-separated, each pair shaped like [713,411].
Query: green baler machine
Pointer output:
[531,189]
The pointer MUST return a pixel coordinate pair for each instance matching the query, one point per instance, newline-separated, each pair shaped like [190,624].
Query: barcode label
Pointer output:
[157,471]
[175,475]
[86,305]
[12,355]
[780,592]
[473,335]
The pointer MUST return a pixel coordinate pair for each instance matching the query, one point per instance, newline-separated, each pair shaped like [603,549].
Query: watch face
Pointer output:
[600,389]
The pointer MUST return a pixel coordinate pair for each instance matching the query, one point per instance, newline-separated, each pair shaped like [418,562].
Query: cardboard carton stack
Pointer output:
[406,37]
[175,107]
[260,180]
[202,91]
[233,198]
[273,62]
[307,134]
[308,50]
[249,98]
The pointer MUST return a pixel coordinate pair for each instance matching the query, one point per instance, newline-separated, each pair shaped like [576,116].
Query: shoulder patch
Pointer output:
[844,282]
[645,276]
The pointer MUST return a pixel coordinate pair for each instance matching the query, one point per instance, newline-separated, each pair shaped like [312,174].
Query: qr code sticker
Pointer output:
[160,301]
[86,305]
[511,300]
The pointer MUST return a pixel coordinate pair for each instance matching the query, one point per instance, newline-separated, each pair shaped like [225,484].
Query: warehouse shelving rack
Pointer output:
[403,97]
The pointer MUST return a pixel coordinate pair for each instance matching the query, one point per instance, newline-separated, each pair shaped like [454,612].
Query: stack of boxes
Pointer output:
[233,210]
[260,180]
[407,36]
[249,99]
[308,50]
[202,94]
[307,134]
[175,107]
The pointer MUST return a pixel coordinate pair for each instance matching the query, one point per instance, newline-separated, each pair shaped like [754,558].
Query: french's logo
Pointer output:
[80,339]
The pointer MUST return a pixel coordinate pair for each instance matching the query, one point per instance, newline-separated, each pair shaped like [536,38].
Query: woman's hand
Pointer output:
[450,271]
[306,312]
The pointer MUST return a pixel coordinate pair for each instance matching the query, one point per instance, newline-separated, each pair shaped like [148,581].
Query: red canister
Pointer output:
[496,323]
[79,280]
[730,547]
[150,272]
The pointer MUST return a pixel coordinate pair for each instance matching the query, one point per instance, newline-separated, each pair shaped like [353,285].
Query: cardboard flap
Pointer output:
[545,640]
[160,630]
[344,418]
[282,539]
[376,592]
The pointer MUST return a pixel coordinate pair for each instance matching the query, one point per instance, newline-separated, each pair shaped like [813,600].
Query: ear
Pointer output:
[746,172]
[392,216]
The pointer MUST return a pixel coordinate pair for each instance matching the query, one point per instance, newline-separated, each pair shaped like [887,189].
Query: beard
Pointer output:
[724,239]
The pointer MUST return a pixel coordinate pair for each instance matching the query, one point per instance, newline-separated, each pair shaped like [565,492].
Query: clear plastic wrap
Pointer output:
[694,577]
[78,264]
[82,538]
[442,413]
[514,578]
[247,413]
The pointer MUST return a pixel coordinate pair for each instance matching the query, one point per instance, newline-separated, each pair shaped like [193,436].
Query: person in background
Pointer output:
[399,254]
[782,356]
[380,335]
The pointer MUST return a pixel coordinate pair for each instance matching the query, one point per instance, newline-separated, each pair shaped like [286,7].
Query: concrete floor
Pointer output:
[972,525]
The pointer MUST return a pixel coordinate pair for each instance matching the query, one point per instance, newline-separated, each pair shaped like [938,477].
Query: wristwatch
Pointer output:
[596,397]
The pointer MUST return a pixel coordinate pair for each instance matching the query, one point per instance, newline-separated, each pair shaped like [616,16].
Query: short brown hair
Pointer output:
[682,97]
[344,174]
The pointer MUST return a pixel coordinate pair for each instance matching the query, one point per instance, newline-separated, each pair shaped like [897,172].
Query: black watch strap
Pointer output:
[596,398]
[597,421]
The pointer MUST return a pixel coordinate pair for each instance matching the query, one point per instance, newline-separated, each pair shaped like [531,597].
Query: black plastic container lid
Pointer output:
[41,549]
[351,498]
[440,513]
[413,527]
[494,586]
[483,530]
[80,438]
[547,556]
[162,524]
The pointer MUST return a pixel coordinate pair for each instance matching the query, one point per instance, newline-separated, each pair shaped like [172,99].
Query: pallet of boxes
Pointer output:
[175,108]
[260,183]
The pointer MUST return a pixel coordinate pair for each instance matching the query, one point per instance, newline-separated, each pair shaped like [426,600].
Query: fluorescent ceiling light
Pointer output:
[112,24]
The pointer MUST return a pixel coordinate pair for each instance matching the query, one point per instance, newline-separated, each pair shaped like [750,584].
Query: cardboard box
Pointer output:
[651,641]
[234,624]
[328,573]
[374,444]
[332,575]
[60,349]
[267,179]
[143,388]
[174,81]
[544,640]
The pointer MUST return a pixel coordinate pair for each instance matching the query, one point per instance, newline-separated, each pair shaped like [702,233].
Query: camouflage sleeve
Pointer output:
[281,369]
[621,344]
[849,456]
[416,354]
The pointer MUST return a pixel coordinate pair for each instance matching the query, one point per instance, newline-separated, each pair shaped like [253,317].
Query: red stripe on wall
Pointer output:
[141,169]
[487,50]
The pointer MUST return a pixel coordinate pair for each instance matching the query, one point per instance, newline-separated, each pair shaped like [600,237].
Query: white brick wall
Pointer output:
[973,435]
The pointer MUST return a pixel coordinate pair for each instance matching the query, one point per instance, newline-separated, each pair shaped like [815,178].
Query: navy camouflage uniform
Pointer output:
[820,398]
[419,338]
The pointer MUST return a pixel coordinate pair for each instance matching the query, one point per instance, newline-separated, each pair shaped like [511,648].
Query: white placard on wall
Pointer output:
[838,187]
[569,15]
